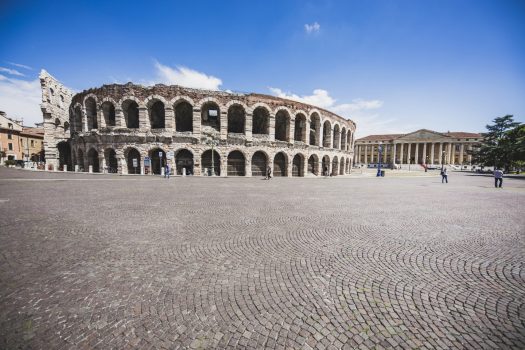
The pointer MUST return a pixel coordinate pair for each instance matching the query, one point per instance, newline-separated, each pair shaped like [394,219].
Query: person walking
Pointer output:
[498,178]
[444,175]
[268,173]
[167,171]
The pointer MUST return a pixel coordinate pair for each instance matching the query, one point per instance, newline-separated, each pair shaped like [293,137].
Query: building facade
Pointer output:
[135,129]
[18,142]
[419,147]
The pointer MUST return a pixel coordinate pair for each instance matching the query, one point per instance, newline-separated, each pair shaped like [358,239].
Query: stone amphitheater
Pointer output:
[132,129]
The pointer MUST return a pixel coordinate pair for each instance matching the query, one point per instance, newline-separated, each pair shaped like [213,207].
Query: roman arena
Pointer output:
[132,129]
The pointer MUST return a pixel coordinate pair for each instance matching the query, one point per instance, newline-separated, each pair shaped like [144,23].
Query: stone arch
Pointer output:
[261,120]
[156,106]
[64,155]
[157,161]
[282,125]
[315,128]
[313,164]
[280,164]
[300,127]
[325,165]
[342,166]
[108,110]
[327,133]
[90,105]
[132,153]
[110,155]
[184,159]
[130,108]
[236,118]
[77,117]
[236,163]
[343,138]
[259,163]
[93,160]
[298,165]
[335,166]
[208,118]
[337,136]
[207,160]
[80,160]
[183,115]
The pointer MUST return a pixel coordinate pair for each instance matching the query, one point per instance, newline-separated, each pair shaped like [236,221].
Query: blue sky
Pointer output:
[392,66]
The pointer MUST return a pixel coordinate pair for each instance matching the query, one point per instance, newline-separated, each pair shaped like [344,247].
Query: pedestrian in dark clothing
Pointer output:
[268,173]
[444,175]
[325,171]
[167,171]
[498,178]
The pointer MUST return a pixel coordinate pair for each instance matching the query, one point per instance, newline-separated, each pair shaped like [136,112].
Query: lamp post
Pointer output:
[212,143]
[380,150]
[442,160]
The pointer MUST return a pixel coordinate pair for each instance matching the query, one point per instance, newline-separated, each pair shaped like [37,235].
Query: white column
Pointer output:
[425,153]
[409,150]
[416,154]
[394,149]
[432,153]
[366,154]
[461,150]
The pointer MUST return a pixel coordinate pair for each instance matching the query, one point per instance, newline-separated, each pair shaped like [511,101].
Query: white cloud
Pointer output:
[20,65]
[21,99]
[11,71]
[185,77]
[312,28]
[319,98]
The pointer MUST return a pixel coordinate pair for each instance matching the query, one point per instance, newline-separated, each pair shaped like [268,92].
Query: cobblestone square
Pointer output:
[103,261]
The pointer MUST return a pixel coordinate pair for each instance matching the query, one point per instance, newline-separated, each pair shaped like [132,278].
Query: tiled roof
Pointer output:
[461,134]
[387,137]
[37,132]
[380,137]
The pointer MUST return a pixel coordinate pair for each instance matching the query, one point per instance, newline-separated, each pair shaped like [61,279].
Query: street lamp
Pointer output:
[213,143]
[380,150]
[442,160]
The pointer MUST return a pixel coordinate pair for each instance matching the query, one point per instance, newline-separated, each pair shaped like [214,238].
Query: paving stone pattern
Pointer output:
[353,263]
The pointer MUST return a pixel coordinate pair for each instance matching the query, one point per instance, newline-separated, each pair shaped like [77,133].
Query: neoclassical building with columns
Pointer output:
[419,147]
[133,129]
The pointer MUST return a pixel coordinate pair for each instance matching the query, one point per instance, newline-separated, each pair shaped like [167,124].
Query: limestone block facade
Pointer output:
[135,129]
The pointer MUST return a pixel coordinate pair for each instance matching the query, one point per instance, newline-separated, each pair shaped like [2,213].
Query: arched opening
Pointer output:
[337,137]
[80,160]
[282,126]
[279,165]
[66,126]
[261,121]
[313,165]
[91,113]
[300,128]
[259,164]
[236,164]
[93,160]
[327,134]
[348,165]
[236,119]
[77,119]
[184,160]
[211,115]
[158,160]
[298,165]
[206,162]
[131,114]
[183,117]
[111,160]
[343,139]
[64,156]
[335,166]
[157,115]
[133,158]
[315,126]
[342,167]
[326,165]
[109,113]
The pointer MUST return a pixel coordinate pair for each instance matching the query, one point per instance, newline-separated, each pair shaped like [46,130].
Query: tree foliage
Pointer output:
[503,144]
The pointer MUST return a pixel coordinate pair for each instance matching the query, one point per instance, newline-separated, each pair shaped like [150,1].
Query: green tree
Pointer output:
[500,145]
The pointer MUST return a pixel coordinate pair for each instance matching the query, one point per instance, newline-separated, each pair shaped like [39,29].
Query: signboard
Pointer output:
[147,161]
[212,113]
[135,162]
[160,154]
[170,155]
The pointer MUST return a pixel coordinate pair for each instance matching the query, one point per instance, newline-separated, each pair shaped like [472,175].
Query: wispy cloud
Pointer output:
[364,112]
[185,76]
[20,65]
[21,99]
[312,28]
[11,71]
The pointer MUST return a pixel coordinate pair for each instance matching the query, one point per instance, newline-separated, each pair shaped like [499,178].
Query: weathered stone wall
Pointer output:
[99,129]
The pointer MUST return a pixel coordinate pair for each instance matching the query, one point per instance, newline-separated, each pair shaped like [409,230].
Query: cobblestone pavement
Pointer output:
[142,262]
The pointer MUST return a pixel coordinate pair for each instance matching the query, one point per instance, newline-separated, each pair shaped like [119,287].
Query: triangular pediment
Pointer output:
[423,135]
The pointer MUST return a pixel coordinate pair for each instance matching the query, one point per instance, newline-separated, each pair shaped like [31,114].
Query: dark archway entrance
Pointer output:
[184,117]
[236,164]
[313,165]
[184,159]
[157,160]
[279,165]
[131,113]
[325,164]
[259,164]
[298,165]
[133,154]
[64,156]
[335,166]
[206,163]
[111,160]
[93,160]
